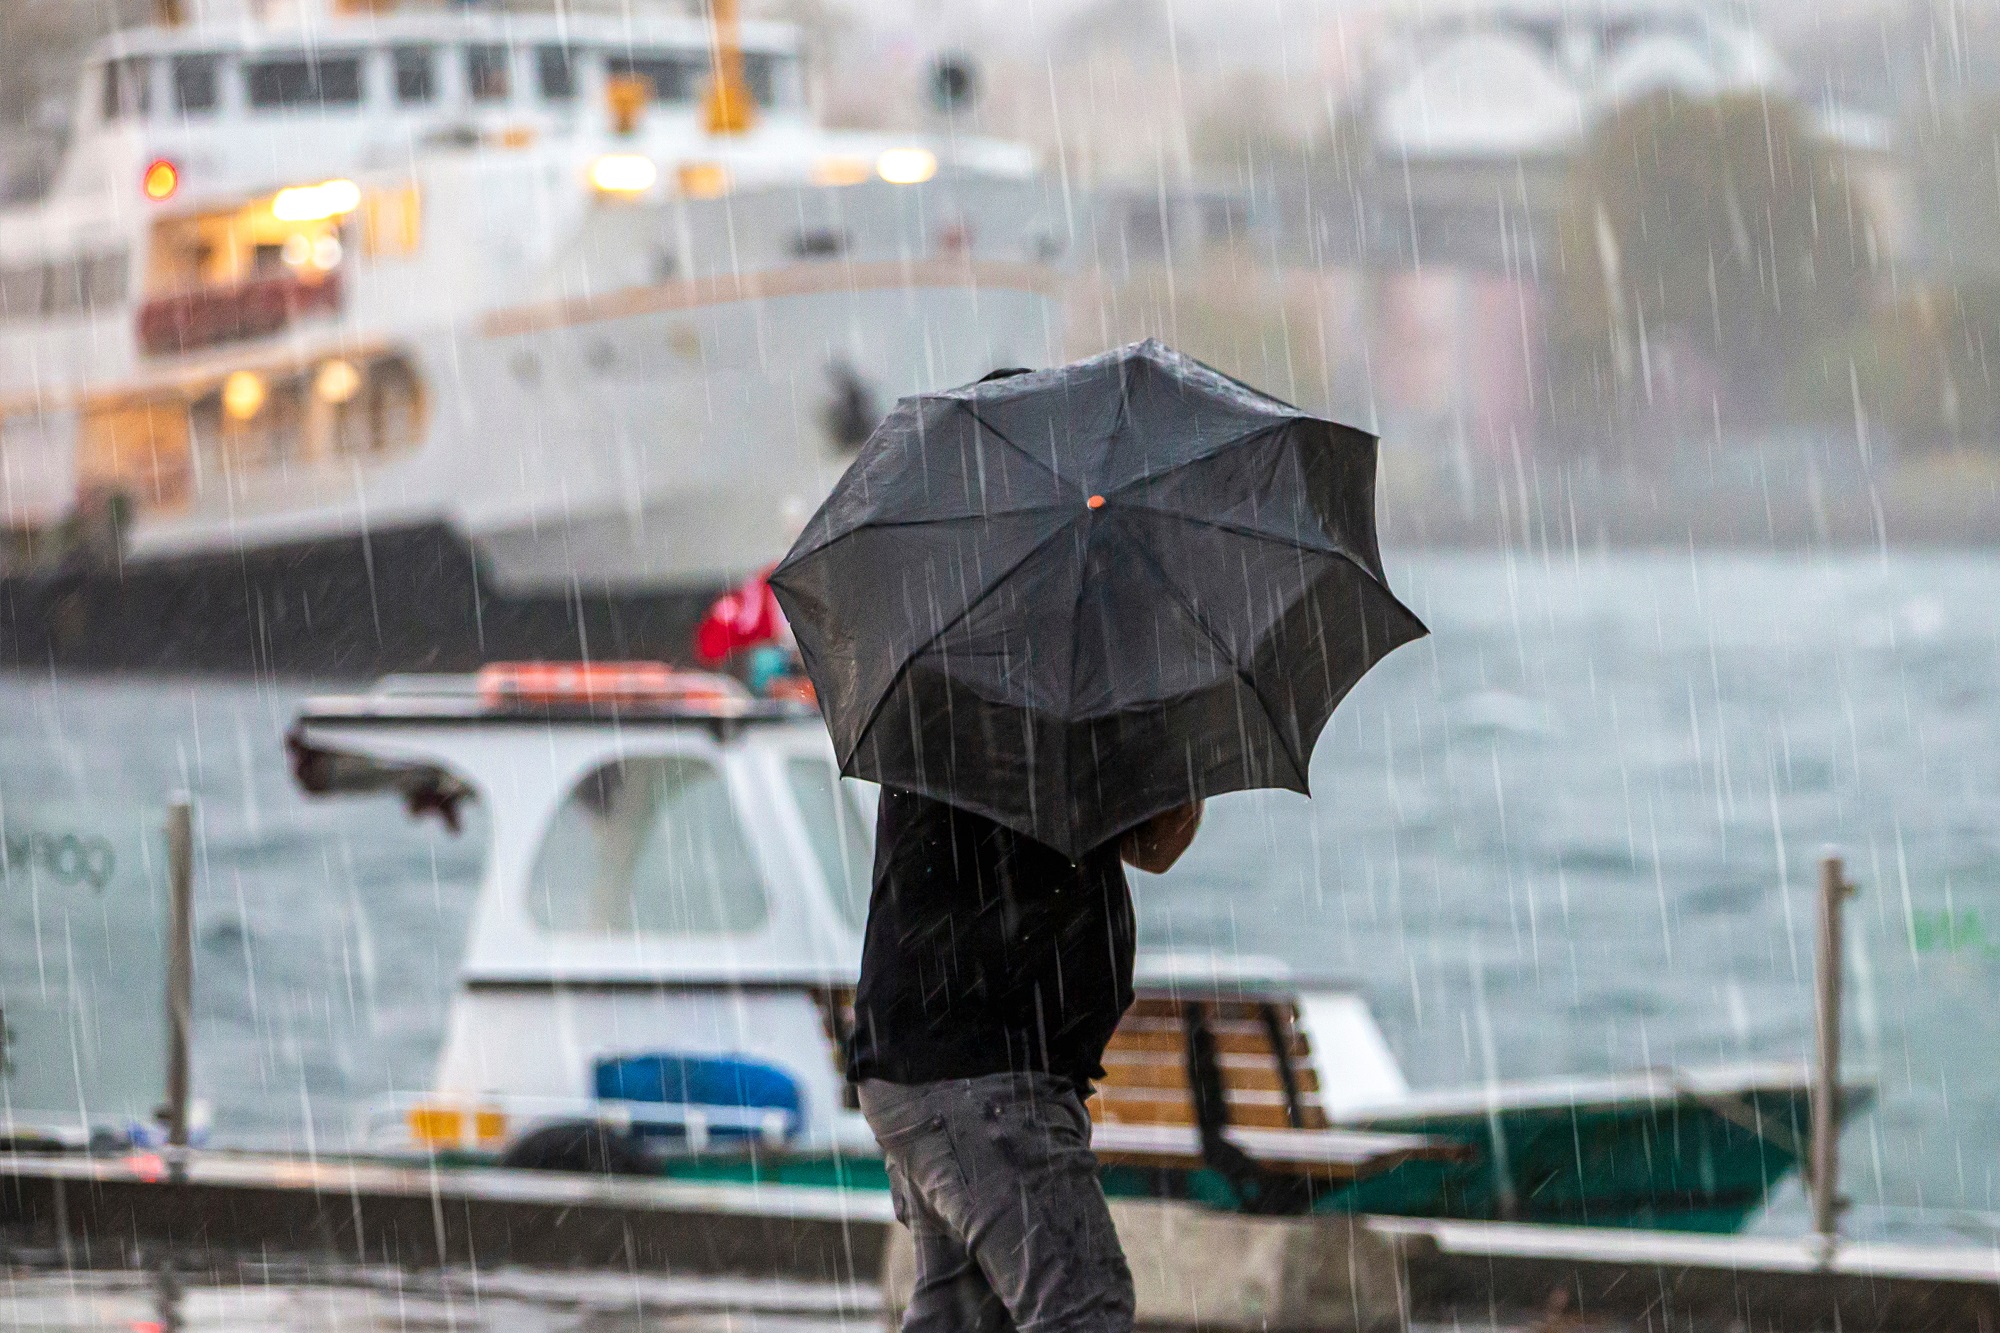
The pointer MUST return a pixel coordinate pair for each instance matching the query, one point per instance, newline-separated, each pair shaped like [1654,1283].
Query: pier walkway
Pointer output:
[792,1257]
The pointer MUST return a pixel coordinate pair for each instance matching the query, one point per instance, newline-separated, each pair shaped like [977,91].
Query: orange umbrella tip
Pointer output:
[1095,502]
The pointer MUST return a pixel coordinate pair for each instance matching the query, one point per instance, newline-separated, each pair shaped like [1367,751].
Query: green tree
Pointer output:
[1724,226]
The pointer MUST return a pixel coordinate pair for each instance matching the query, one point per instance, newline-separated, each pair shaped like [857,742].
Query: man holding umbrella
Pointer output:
[1051,612]
[994,972]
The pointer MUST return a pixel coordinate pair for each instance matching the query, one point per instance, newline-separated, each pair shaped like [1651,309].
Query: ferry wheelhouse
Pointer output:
[661,962]
[436,336]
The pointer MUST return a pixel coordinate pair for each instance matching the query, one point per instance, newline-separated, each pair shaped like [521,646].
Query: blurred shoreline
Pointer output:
[1948,502]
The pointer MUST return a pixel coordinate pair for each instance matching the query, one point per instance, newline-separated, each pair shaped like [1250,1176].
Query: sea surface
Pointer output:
[1576,829]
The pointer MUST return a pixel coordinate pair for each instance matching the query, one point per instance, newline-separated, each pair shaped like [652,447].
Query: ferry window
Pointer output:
[197,83]
[63,292]
[104,279]
[21,292]
[272,436]
[128,88]
[760,71]
[674,78]
[841,840]
[416,75]
[394,404]
[486,73]
[557,67]
[648,847]
[306,82]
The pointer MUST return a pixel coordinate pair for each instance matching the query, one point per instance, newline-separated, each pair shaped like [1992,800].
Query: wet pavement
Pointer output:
[390,1301]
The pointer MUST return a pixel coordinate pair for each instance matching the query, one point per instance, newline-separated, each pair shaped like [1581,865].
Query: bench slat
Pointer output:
[1328,1154]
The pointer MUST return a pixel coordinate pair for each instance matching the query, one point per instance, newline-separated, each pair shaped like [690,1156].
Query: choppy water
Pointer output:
[1574,830]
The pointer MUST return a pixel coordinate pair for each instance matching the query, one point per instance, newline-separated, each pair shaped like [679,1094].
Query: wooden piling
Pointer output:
[1823,1174]
[180,968]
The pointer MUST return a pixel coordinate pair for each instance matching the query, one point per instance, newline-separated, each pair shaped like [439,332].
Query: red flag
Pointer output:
[741,618]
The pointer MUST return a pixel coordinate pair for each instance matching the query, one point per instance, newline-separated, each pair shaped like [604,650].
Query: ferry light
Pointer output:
[337,382]
[907,166]
[243,395]
[840,171]
[316,203]
[624,173]
[163,178]
[704,180]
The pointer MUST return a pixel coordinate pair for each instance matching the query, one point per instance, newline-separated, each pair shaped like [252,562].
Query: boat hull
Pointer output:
[1677,1164]
[1678,1167]
[415,598]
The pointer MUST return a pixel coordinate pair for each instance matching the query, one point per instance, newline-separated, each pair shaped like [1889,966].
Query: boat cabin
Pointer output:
[670,930]
[667,937]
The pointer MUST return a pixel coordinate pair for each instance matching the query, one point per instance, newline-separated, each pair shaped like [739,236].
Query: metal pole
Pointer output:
[1825,1166]
[180,966]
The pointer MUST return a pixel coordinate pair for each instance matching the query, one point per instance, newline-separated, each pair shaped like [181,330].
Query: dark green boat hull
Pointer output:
[1675,1164]
[1678,1165]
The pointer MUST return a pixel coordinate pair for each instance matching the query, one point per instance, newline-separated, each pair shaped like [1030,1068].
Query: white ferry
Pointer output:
[661,963]
[353,338]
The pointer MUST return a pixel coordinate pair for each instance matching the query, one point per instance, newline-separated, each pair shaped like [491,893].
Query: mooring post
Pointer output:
[180,971]
[1824,1169]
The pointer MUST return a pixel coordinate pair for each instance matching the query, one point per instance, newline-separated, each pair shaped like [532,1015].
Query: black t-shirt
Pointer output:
[987,952]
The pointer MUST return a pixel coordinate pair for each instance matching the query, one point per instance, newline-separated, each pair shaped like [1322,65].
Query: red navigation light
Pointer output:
[147,1166]
[600,684]
[163,178]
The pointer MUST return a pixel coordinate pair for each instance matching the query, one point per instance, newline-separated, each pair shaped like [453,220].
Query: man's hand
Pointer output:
[1156,844]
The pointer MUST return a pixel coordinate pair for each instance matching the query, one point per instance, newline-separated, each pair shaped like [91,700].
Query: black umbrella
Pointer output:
[1070,599]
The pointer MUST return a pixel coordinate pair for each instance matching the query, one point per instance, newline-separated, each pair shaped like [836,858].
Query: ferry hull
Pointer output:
[415,598]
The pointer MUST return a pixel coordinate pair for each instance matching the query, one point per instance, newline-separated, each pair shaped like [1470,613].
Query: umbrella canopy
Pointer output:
[1070,599]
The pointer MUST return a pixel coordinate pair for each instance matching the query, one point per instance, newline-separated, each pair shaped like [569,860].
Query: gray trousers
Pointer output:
[995,1179]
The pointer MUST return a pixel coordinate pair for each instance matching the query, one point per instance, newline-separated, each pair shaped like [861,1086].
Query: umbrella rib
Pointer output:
[1005,438]
[1257,534]
[938,520]
[1238,441]
[920,649]
[879,525]
[1180,600]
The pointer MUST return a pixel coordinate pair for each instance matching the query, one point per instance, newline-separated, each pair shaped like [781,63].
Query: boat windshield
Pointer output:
[842,840]
[648,847]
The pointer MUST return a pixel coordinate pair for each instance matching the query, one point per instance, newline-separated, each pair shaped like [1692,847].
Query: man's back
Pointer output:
[987,952]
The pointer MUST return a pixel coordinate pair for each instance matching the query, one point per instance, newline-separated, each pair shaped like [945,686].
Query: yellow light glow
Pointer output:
[624,173]
[907,166]
[840,171]
[489,1126]
[163,178]
[243,395]
[297,250]
[316,203]
[704,180]
[437,1126]
[337,382]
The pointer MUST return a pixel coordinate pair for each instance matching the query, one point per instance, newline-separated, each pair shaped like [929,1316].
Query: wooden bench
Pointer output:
[1220,1080]
[1167,1044]
[1224,1079]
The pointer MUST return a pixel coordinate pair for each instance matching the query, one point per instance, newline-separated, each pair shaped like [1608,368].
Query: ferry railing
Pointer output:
[256,308]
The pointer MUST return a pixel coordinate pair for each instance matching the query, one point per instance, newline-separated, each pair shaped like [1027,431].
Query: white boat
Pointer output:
[669,930]
[349,341]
